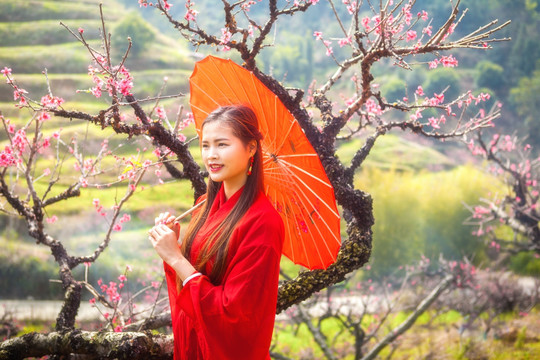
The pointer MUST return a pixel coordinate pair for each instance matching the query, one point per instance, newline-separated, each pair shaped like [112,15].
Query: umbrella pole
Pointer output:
[181,216]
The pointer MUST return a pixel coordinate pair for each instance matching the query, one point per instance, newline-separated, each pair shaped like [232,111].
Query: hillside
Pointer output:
[32,40]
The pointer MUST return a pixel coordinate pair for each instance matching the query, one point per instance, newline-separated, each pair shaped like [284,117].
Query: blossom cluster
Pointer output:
[110,80]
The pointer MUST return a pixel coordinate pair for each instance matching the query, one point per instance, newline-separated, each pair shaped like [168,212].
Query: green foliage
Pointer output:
[52,10]
[132,26]
[292,61]
[490,75]
[15,268]
[45,32]
[393,88]
[525,98]
[442,79]
[422,214]
[525,263]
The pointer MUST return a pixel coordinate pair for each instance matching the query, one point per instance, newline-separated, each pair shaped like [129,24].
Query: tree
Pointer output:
[392,33]
[524,97]
[134,27]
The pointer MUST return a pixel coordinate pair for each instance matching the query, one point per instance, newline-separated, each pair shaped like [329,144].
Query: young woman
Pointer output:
[223,279]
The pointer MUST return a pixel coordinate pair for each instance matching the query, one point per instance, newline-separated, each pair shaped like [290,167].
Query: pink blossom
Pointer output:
[129,268]
[156,284]
[225,38]
[420,91]
[423,15]
[83,182]
[365,23]
[411,35]
[19,140]
[44,116]
[46,171]
[427,30]
[448,61]
[166,4]
[52,219]
[161,112]
[345,41]
[81,30]
[433,64]
[329,50]
[92,301]
[11,128]
[408,15]
[434,123]
[318,35]
[117,227]
[46,143]
[51,101]
[125,218]
[122,278]
[6,71]
[96,91]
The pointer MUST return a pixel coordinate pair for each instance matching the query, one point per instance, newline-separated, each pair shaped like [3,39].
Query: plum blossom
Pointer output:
[226,36]
[161,112]
[411,35]
[365,23]
[345,41]
[52,219]
[6,71]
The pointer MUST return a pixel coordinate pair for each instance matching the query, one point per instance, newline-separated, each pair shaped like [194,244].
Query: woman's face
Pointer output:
[225,156]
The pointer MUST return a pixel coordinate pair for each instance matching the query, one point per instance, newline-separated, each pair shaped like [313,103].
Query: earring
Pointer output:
[250,165]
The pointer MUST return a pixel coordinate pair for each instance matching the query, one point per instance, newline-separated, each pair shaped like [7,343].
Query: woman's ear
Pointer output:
[252,147]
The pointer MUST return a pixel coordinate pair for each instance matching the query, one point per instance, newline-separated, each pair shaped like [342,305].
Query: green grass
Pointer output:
[397,153]
[44,10]
[436,340]
[45,32]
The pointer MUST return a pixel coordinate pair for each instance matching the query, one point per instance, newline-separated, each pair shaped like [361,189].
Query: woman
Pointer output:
[223,280]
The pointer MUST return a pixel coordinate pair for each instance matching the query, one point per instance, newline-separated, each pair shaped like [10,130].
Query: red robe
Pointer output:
[233,319]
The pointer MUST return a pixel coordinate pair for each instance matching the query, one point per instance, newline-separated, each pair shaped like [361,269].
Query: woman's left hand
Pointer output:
[164,241]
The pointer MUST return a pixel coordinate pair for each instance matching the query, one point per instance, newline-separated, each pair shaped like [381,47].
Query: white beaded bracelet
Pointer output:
[192,276]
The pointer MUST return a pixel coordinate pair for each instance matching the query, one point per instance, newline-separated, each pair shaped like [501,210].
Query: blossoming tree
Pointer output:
[390,33]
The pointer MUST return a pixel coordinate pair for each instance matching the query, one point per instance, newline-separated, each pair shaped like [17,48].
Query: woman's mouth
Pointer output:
[214,167]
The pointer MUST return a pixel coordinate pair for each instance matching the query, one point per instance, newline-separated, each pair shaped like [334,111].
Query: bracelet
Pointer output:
[192,276]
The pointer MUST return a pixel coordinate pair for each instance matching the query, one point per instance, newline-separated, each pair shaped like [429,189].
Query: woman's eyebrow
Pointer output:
[217,140]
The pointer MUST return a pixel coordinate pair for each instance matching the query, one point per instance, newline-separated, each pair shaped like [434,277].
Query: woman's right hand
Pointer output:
[169,220]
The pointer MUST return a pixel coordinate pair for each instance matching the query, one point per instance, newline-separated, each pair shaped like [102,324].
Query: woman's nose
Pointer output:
[212,154]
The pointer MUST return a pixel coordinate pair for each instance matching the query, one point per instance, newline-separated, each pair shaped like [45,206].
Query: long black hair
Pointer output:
[243,122]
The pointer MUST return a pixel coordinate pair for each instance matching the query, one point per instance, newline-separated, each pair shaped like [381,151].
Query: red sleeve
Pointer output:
[235,320]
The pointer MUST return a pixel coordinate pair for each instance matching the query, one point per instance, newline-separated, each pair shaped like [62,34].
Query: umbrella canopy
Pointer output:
[294,179]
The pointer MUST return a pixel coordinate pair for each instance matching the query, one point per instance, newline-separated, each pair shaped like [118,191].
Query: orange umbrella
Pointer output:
[295,181]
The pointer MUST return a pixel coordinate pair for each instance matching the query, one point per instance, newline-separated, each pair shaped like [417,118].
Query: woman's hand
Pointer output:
[165,242]
[169,220]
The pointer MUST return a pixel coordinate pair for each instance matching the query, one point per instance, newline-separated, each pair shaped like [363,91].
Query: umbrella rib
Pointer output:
[297,155]
[288,228]
[305,172]
[291,176]
[286,200]
[309,188]
[265,136]
[216,87]
[313,207]
[285,136]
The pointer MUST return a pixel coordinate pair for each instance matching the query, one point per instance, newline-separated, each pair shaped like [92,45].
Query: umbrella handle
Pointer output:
[180,217]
